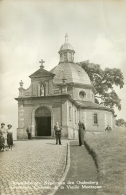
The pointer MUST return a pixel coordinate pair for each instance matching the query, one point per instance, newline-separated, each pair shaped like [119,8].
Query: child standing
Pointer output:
[2,142]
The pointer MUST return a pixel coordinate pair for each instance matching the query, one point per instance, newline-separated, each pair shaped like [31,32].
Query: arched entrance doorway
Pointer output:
[43,121]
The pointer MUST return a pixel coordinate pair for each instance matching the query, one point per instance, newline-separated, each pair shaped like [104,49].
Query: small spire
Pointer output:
[41,67]
[66,37]
[21,83]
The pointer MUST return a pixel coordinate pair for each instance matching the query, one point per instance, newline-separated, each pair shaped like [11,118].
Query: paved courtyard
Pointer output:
[33,167]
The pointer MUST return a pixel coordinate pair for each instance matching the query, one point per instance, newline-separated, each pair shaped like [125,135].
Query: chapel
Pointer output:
[64,94]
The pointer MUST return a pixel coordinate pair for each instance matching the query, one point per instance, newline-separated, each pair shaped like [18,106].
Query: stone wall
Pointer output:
[89,95]
[63,111]
[104,118]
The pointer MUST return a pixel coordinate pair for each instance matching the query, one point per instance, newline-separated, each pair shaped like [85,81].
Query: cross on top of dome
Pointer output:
[42,66]
[21,83]
[66,38]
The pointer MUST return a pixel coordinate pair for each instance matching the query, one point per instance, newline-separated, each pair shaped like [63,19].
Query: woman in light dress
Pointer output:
[3,137]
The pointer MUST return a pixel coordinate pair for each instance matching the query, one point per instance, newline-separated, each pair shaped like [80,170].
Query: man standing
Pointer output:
[57,130]
[29,132]
[81,132]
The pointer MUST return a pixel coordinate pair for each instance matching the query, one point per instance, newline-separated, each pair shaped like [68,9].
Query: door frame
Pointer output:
[34,122]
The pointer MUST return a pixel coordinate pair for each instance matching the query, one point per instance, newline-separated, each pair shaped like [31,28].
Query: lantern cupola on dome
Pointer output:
[66,52]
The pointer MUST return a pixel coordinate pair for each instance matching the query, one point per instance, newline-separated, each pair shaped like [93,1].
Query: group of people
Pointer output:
[108,128]
[6,137]
[81,133]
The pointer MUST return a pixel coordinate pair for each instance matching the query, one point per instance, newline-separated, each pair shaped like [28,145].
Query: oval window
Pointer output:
[82,94]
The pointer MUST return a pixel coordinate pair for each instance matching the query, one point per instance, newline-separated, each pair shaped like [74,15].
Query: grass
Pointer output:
[109,151]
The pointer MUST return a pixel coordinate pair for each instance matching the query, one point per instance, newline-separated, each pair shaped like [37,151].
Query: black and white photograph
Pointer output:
[62,97]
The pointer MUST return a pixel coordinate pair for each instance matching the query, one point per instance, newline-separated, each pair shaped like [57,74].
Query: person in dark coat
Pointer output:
[10,137]
[81,133]
[29,132]
[57,130]
[2,142]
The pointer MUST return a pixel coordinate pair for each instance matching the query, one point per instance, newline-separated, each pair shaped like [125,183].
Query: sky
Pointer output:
[35,29]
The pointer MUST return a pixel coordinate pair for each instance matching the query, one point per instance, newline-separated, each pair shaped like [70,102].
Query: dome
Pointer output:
[72,72]
[66,46]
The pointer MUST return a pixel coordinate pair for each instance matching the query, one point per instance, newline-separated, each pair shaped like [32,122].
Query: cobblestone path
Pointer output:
[33,167]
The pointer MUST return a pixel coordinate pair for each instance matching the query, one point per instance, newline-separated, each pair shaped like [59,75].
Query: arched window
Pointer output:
[70,56]
[65,57]
[61,57]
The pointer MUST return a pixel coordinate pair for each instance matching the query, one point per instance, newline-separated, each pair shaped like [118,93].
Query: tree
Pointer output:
[120,122]
[104,82]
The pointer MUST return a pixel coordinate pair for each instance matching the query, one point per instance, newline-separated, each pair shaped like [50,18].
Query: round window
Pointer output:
[82,94]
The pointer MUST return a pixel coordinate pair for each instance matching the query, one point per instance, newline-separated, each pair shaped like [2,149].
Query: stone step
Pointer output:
[43,137]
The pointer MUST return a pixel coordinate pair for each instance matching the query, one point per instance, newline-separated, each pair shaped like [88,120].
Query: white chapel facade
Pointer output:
[65,94]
